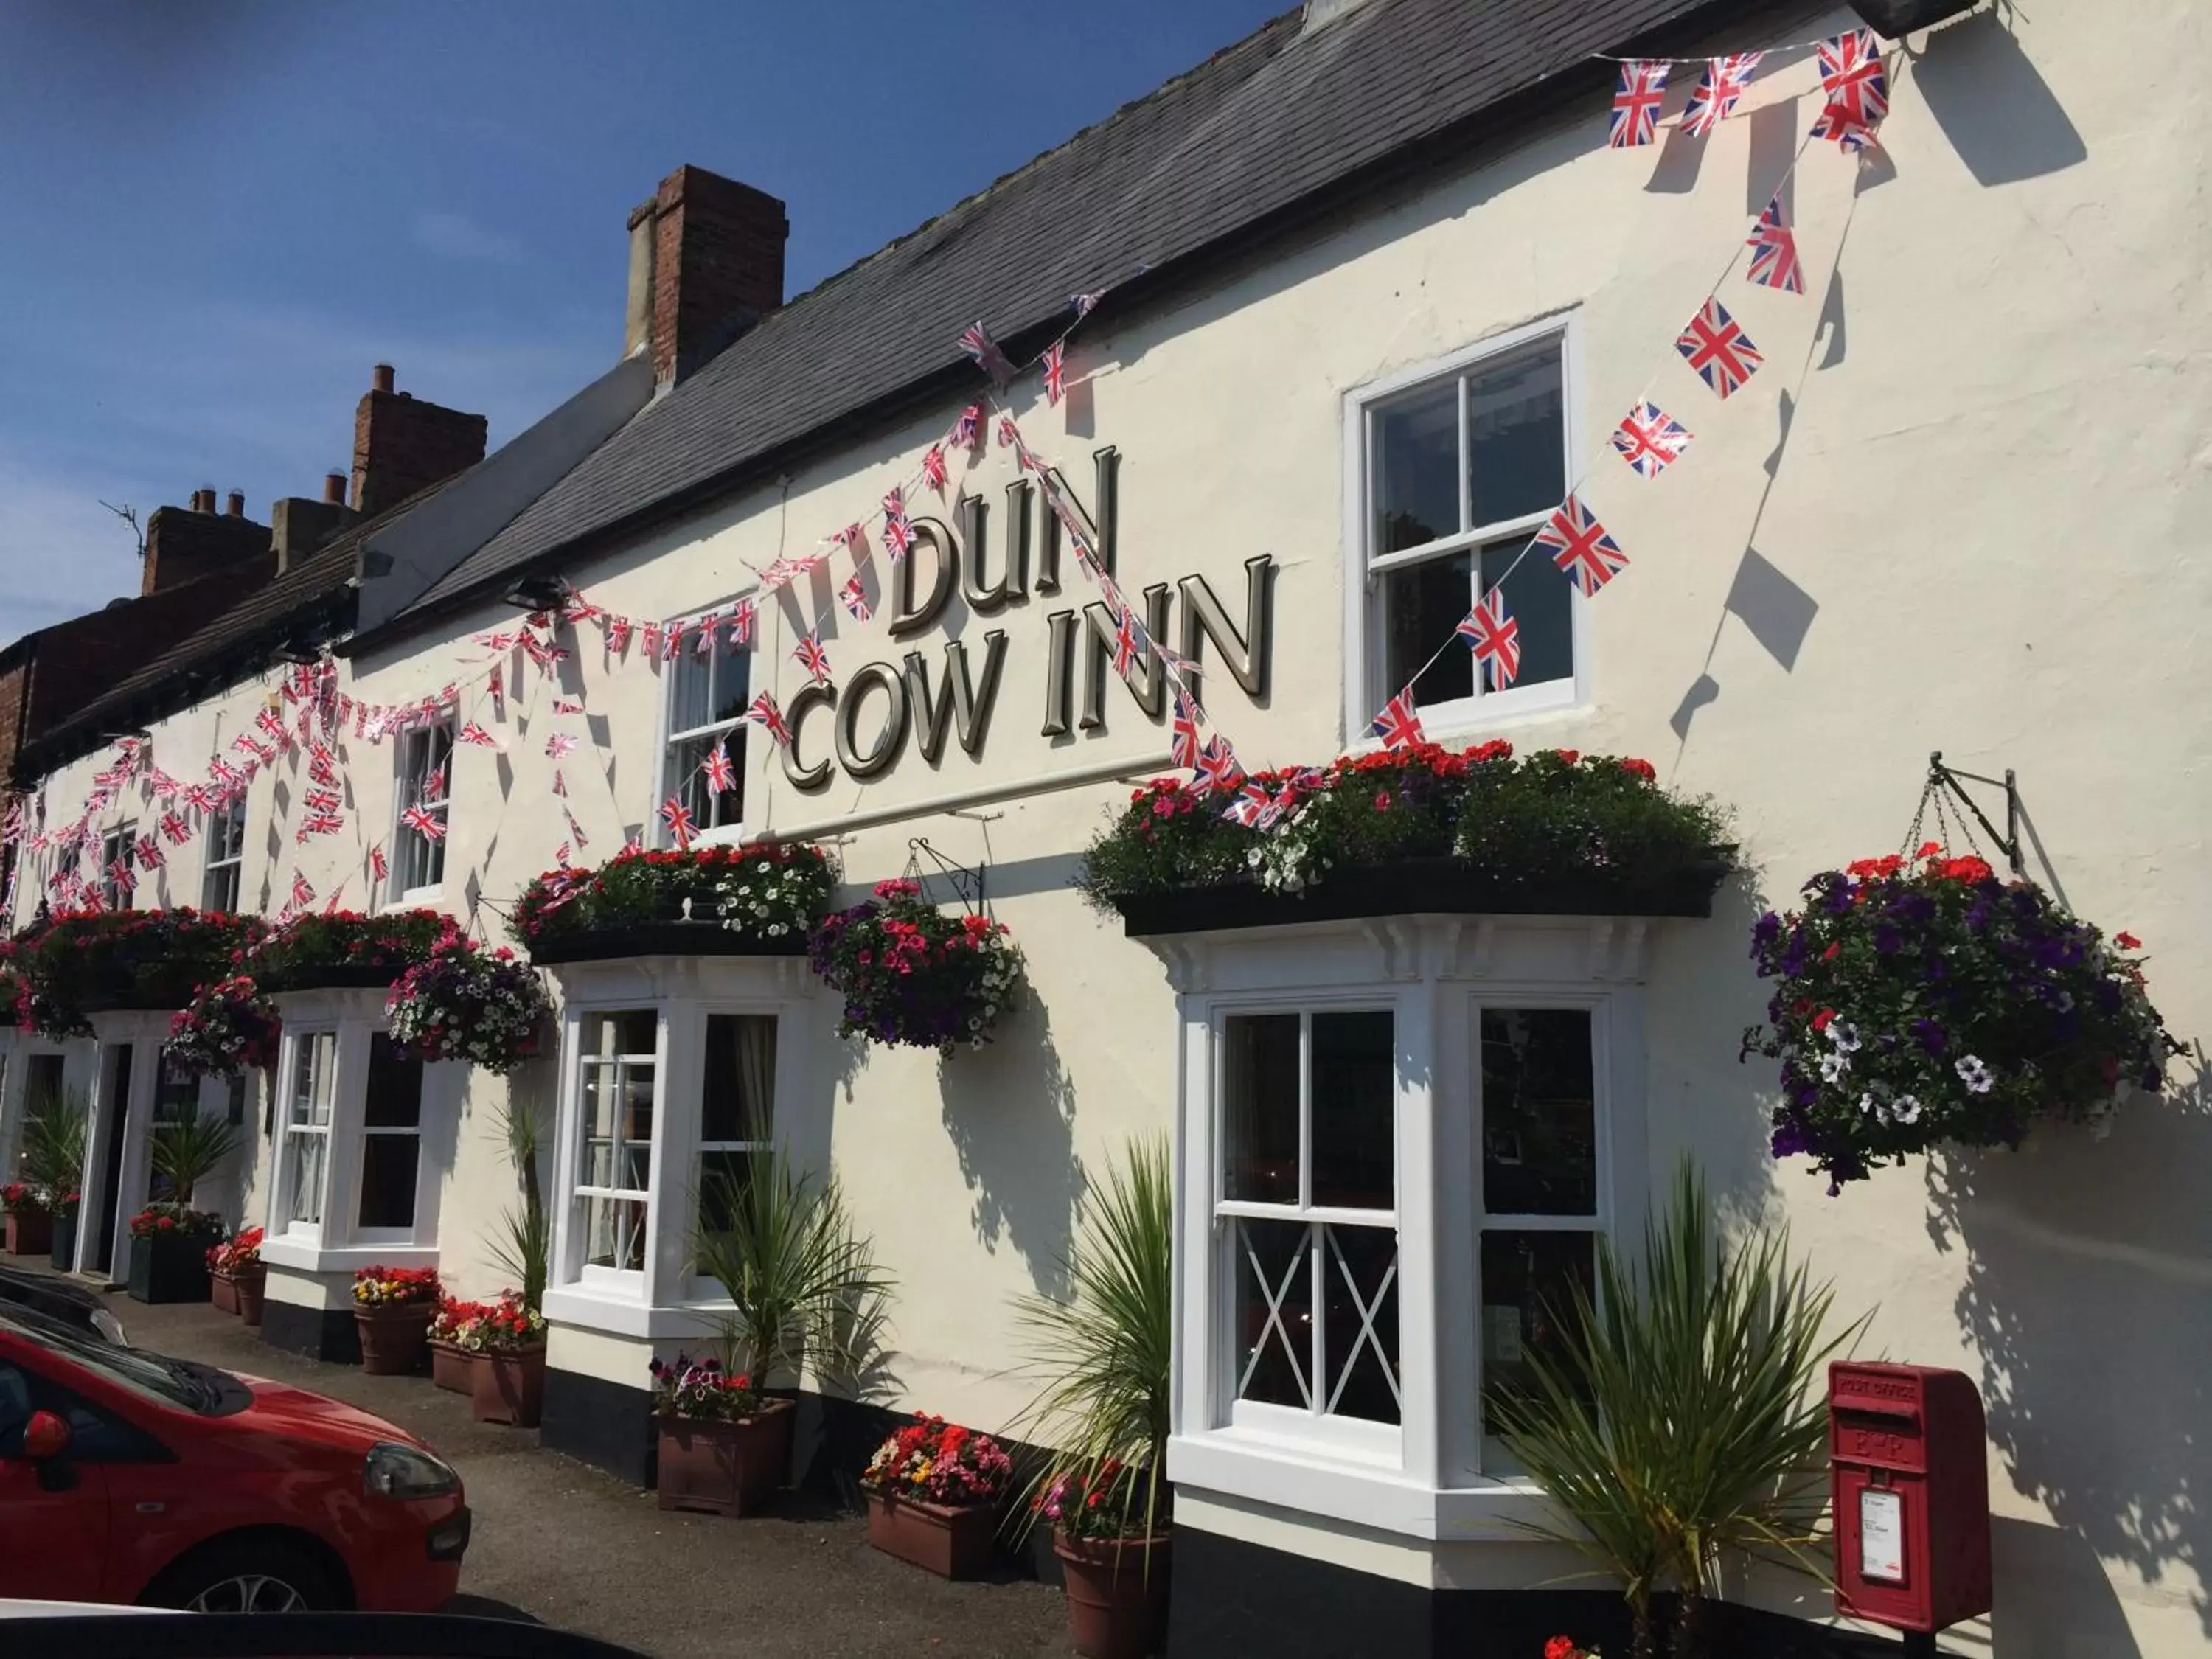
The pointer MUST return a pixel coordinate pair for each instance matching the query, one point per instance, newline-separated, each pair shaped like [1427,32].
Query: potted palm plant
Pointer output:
[1726,1334]
[54,1158]
[803,1287]
[1102,1361]
[169,1239]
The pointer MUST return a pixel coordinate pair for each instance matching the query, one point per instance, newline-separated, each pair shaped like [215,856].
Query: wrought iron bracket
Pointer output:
[967,882]
[1943,777]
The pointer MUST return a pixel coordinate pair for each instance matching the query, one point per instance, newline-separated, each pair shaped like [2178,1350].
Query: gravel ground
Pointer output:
[563,1544]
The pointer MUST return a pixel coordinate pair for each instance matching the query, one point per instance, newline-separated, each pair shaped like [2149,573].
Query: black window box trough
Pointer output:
[660,939]
[332,977]
[1421,887]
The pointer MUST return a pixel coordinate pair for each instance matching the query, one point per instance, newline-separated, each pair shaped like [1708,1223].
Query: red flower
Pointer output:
[1641,769]
[1568,757]
[1562,1647]
[1832,953]
[2127,941]
[1822,1020]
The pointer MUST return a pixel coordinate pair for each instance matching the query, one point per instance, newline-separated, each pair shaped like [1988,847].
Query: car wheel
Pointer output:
[247,1576]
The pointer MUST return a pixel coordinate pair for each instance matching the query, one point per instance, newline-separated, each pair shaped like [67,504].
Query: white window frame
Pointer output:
[412,743]
[621,1280]
[226,854]
[701,1288]
[669,780]
[1366,652]
[111,892]
[291,1132]
[359,1233]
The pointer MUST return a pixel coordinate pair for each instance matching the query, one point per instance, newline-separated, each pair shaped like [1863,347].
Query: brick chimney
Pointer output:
[401,444]
[706,264]
[184,544]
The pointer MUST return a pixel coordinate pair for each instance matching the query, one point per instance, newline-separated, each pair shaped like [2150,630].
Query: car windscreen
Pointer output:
[150,1375]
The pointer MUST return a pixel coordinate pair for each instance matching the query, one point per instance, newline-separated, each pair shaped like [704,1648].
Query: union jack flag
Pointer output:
[1183,744]
[575,829]
[1717,348]
[1649,439]
[1129,643]
[1085,304]
[434,784]
[763,712]
[899,532]
[618,632]
[1217,770]
[984,352]
[567,706]
[722,776]
[1399,725]
[1852,137]
[330,904]
[560,744]
[175,827]
[161,783]
[561,854]
[1774,251]
[322,800]
[1494,637]
[471,733]
[1056,372]
[377,865]
[496,641]
[497,683]
[424,822]
[856,599]
[199,798]
[1636,103]
[813,659]
[1581,547]
[651,638]
[303,892]
[677,816]
[1854,80]
[967,430]
[671,641]
[934,472]
[272,724]
[742,618]
[149,853]
[1254,807]
[703,632]
[319,824]
[560,783]
[1717,91]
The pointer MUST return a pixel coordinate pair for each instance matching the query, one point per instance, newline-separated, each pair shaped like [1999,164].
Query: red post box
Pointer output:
[1909,1472]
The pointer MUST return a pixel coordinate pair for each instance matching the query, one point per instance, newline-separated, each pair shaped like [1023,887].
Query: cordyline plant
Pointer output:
[80,962]
[1924,1001]
[309,944]
[1678,1417]
[186,1150]
[228,1027]
[912,974]
[466,1003]
[768,892]
[1527,823]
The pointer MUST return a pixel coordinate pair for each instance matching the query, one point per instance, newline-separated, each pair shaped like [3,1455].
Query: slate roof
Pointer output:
[1284,124]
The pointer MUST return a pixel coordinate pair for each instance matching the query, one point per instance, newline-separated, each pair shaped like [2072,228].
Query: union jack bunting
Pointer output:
[1636,103]
[175,827]
[1854,80]
[1056,372]
[319,824]
[899,532]
[322,800]
[1774,251]
[722,776]
[1183,745]
[763,712]
[496,641]
[330,904]
[1399,725]
[934,472]
[742,618]
[377,865]
[984,352]
[567,706]
[303,892]
[856,599]
[122,877]
[1852,137]
[812,657]
[671,641]
[272,723]
[199,798]
[652,632]
[1581,547]
[1716,347]
[424,823]
[703,632]
[471,733]
[1129,643]
[1649,439]
[1010,435]
[677,816]
[434,784]
[1254,807]
[1085,304]
[967,430]
[618,632]
[149,853]
[1494,637]
[1717,91]
[560,783]
[1217,770]
[496,682]
[161,783]
[575,829]
[560,744]
[561,854]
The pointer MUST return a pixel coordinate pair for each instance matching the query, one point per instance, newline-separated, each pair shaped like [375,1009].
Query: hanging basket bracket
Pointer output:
[967,883]
[1949,780]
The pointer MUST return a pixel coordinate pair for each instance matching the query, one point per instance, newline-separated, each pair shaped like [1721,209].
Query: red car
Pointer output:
[125,1476]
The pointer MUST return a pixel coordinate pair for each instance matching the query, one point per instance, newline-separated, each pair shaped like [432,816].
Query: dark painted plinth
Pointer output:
[319,1332]
[606,1424]
[658,939]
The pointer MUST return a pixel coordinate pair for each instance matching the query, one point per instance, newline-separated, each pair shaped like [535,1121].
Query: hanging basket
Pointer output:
[912,975]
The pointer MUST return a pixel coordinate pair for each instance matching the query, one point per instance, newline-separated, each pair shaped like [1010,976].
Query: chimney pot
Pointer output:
[380,378]
[715,267]
[235,504]
[334,488]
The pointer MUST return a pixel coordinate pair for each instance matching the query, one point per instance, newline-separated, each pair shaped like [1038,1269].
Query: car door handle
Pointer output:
[152,1508]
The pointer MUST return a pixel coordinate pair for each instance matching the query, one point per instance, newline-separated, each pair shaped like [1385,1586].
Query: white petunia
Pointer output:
[1977,1078]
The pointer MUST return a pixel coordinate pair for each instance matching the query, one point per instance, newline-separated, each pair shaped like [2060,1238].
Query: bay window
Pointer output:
[310,1080]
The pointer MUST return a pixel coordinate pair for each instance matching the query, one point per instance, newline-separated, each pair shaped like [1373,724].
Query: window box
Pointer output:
[453,1367]
[346,951]
[140,960]
[705,901]
[951,1541]
[724,1468]
[507,1385]
[660,939]
[170,1267]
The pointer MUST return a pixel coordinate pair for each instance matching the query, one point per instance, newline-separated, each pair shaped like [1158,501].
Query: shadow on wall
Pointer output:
[1997,111]
[2087,1287]
[1010,1110]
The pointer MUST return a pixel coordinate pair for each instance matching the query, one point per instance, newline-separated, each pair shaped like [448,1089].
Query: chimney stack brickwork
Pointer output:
[185,544]
[402,443]
[716,266]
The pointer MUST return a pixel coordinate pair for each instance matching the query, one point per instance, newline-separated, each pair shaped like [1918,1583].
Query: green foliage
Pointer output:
[79,964]
[523,1249]
[186,1150]
[1678,1417]
[53,1142]
[1167,838]
[299,952]
[774,891]
[1103,1360]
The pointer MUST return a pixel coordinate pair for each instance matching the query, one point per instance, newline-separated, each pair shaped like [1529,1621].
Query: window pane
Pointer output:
[690,694]
[307,1178]
[1273,1344]
[738,1095]
[235,1100]
[395,1087]
[1538,1113]
[177,1092]
[614,1233]
[634,1032]
[602,1095]
[1516,436]
[1415,467]
[732,684]
[724,1178]
[1421,605]
[1359,1315]
[220,891]
[1537,597]
[1354,1087]
[387,1180]
[1259,1092]
[1528,1289]
[635,1169]
[310,1076]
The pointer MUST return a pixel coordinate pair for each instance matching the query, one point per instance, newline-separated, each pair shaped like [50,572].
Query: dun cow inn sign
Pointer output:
[873,711]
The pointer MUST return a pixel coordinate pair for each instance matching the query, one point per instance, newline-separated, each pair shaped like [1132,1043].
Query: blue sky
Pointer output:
[218,213]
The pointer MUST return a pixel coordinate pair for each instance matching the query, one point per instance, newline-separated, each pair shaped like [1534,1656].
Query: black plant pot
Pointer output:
[65,1251]
[170,1267]
[1895,19]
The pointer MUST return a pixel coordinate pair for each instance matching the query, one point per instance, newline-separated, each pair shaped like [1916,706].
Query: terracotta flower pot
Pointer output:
[509,1385]
[30,1232]
[249,1282]
[724,1468]
[222,1292]
[393,1335]
[451,1367]
[1117,1594]
[951,1541]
